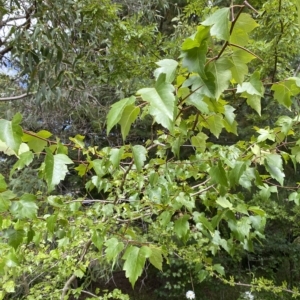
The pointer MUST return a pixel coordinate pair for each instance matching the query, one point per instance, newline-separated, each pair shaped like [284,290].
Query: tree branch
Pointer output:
[16,97]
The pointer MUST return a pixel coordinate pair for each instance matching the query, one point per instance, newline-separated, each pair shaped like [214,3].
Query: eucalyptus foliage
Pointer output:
[179,194]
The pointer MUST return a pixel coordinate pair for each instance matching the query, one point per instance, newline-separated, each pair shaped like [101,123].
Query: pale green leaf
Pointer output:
[25,207]
[214,124]
[24,160]
[156,258]
[113,249]
[139,156]
[168,67]
[199,141]
[11,132]
[36,141]
[115,156]
[273,164]
[223,202]
[160,97]
[242,27]
[220,23]
[55,168]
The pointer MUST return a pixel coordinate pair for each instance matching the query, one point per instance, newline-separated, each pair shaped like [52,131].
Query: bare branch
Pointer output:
[17,97]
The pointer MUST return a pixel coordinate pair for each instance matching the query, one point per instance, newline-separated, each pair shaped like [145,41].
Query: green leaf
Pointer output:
[284,90]
[55,168]
[168,67]
[220,23]
[218,174]
[182,227]
[36,141]
[115,156]
[215,124]
[15,237]
[223,202]
[97,239]
[240,58]
[273,164]
[25,207]
[194,51]
[242,27]
[5,198]
[3,184]
[199,142]
[253,87]
[156,258]
[113,249]
[129,115]
[51,223]
[139,156]
[134,262]
[286,124]
[236,173]
[220,69]
[161,97]
[116,112]
[9,286]
[11,132]
[253,91]
[219,269]
[25,159]
[229,122]
[78,140]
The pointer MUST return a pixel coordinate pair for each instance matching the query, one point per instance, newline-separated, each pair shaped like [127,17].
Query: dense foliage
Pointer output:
[204,191]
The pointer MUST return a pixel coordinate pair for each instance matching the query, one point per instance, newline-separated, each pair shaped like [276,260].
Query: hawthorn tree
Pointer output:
[180,193]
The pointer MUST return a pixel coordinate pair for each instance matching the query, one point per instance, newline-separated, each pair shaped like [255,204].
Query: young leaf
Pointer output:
[134,262]
[55,168]
[220,23]
[11,132]
[139,156]
[116,111]
[34,142]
